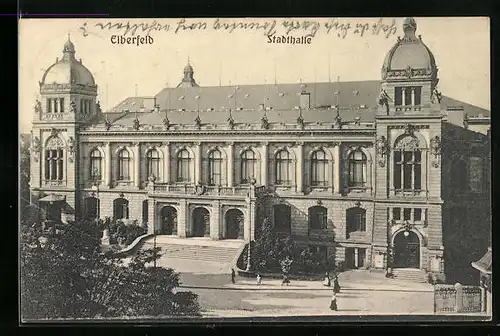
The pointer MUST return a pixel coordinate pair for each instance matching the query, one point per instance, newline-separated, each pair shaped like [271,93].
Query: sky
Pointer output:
[461,47]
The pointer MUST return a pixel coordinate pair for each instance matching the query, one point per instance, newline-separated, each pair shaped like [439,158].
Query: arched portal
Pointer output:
[234,224]
[168,221]
[201,223]
[406,250]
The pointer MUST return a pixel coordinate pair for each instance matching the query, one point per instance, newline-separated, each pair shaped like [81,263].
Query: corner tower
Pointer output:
[67,102]
[408,221]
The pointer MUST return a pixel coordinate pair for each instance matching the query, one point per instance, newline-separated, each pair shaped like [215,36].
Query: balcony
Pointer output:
[204,190]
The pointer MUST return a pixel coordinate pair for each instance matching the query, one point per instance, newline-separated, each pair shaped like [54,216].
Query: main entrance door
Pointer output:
[406,250]
[234,224]
[201,223]
[168,221]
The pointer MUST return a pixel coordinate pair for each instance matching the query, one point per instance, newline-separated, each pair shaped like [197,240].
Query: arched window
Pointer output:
[355,220]
[95,165]
[153,163]
[214,167]
[319,164]
[318,218]
[248,162]
[183,163]
[120,208]
[282,168]
[407,164]
[123,165]
[357,169]
[54,160]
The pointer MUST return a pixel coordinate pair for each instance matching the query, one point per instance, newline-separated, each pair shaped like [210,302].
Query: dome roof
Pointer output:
[188,68]
[409,53]
[68,70]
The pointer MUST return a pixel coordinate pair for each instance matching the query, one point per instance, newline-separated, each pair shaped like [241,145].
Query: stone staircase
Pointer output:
[410,274]
[223,251]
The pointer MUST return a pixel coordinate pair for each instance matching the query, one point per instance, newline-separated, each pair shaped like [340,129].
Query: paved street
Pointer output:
[363,293]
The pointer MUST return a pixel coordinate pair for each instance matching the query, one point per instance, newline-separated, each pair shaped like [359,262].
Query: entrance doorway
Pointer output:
[406,250]
[355,257]
[201,223]
[168,221]
[234,224]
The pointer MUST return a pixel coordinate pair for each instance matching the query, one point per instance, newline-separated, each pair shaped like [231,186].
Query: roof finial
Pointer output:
[69,36]
[188,59]
[409,27]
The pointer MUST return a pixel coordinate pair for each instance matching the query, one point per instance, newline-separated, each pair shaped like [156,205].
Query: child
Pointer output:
[259,279]
[333,303]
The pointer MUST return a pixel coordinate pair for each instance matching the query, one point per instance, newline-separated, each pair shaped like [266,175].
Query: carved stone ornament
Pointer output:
[136,123]
[264,123]
[38,107]
[338,122]
[197,122]
[436,96]
[152,178]
[71,149]
[300,122]
[383,99]
[35,148]
[435,151]
[409,129]
[230,122]
[166,123]
[98,108]
[200,189]
[55,143]
[408,72]
[107,124]
[382,150]
[72,107]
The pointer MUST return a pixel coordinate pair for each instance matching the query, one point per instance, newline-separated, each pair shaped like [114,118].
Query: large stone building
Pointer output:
[376,173]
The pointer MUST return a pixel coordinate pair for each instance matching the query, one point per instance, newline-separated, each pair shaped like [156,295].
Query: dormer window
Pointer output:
[407,95]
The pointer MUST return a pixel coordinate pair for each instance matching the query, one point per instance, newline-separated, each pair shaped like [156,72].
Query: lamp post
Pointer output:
[252,190]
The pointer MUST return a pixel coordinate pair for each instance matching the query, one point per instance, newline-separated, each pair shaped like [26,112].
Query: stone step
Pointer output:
[409,274]
[194,252]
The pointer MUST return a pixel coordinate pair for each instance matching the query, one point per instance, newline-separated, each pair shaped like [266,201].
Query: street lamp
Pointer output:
[252,182]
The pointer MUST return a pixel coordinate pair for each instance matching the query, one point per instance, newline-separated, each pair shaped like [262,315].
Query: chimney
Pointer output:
[305,100]
[455,115]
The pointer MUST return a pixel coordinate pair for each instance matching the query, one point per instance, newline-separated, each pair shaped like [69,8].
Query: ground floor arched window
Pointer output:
[120,208]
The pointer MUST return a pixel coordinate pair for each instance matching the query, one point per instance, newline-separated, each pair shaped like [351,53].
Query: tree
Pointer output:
[24,169]
[263,251]
[65,274]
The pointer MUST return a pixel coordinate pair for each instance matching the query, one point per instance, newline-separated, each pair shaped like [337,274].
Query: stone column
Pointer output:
[182,218]
[215,221]
[197,162]
[403,98]
[412,96]
[230,168]
[109,174]
[300,167]
[152,225]
[356,257]
[458,298]
[137,164]
[336,169]
[264,169]
[166,163]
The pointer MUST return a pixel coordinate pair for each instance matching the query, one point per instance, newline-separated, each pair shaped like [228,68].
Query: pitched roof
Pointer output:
[356,99]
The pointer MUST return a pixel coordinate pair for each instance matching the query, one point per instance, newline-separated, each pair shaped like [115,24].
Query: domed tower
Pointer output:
[188,79]
[409,76]
[408,221]
[67,102]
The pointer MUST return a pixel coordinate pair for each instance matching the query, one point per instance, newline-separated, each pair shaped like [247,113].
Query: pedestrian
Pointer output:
[285,281]
[233,275]
[259,279]
[336,285]
[327,281]
[388,273]
[333,303]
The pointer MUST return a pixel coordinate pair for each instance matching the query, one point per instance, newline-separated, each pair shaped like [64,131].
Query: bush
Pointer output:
[118,229]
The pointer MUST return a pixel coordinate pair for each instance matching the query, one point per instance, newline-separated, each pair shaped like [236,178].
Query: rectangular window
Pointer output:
[81,106]
[55,105]
[60,164]
[215,171]
[408,96]
[407,214]
[47,165]
[398,96]
[61,105]
[49,105]
[417,215]
[396,214]
[418,95]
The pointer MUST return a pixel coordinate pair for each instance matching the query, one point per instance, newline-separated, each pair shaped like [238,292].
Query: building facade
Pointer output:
[372,173]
